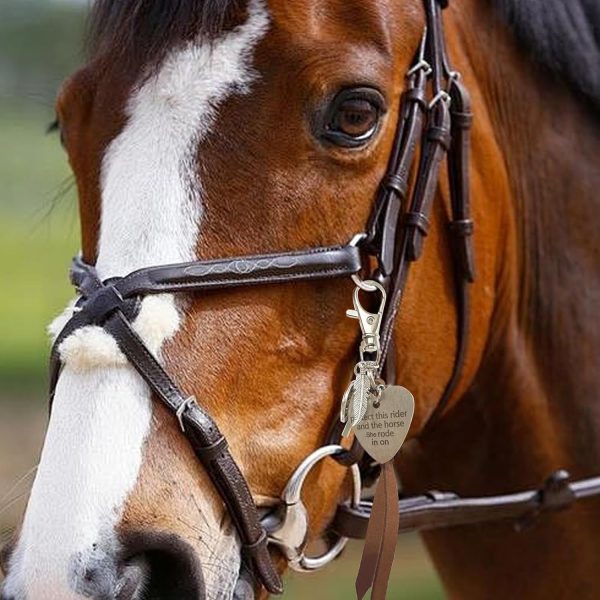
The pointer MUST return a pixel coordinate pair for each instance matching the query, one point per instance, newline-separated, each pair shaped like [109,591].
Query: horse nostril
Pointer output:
[157,565]
[98,573]
[133,579]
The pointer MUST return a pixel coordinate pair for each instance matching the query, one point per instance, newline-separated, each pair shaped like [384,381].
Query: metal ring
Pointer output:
[363,284]
[296,514]
[452,76]
[292,492]
[442,95]
[421,65]
[357,239]
[368,285]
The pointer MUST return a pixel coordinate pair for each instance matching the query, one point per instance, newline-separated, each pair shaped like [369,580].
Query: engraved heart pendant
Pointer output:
[384,427]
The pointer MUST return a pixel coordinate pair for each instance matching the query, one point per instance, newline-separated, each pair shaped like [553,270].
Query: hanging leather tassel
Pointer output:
[380,542]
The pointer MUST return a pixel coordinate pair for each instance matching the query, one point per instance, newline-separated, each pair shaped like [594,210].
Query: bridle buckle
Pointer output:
[185,405]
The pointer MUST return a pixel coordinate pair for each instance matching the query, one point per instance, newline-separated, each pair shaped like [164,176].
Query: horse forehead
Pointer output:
[340,20]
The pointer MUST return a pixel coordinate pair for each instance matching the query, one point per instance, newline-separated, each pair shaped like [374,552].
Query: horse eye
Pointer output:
[353,117]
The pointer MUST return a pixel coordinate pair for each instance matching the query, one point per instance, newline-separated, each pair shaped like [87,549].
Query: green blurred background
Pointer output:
[41,43]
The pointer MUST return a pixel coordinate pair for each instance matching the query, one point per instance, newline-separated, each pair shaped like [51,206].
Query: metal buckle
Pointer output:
[182,408]
[290,532]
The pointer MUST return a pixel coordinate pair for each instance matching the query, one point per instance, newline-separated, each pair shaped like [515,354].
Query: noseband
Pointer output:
[435,115]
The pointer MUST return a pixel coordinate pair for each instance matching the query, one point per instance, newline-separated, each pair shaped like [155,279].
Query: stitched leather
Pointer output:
[445,509]
[314,263]
[103,303]
[205,438]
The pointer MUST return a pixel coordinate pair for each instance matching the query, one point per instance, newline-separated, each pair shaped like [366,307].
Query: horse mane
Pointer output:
[562,36]
[142,31]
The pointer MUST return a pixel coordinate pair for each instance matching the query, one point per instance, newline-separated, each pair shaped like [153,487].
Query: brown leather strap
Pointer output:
[305,265]
[435,145]
[208,445]
[107,307]
[436,510]
[380,541]
[383,226]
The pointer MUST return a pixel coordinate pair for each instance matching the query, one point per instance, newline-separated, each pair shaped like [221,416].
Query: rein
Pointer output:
[435,118]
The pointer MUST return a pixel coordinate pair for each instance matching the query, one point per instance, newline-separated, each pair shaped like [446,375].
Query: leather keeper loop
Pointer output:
[418,220]
[462,227]
[440,135]
[257,545]
[102,303]
[396,183]
[417,95]
[209,453]
[462,120]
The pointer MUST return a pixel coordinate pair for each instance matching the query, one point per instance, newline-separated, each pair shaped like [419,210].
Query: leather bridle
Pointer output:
[435,116]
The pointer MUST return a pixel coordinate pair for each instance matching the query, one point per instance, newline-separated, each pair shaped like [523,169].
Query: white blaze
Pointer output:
[150,215]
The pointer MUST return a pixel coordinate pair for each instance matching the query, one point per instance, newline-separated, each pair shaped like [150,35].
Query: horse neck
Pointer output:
[537,385]
[550,343]
[532,407]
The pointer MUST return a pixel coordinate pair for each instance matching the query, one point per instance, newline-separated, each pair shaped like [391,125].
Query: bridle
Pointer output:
[435,117]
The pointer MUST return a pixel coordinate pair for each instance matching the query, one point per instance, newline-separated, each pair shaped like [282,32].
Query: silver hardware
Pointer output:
[357,239]
[370,323]
[363,285]
[366,387]
[290,533]
[354,242]
[345,406]
[363,389]
[441,96]
[363,384]
[182,408]
[452,76]
[421,65]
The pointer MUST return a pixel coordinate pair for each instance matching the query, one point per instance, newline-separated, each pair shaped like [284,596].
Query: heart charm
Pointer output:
[384,427]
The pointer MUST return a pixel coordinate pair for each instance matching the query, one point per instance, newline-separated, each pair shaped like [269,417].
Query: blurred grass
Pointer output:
[411,578]
[38,235]
[40,44]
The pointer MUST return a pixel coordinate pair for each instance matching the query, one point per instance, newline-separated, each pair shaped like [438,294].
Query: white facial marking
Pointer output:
[102,410]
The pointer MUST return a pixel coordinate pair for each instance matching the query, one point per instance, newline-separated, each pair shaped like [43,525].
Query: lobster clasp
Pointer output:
[370,323]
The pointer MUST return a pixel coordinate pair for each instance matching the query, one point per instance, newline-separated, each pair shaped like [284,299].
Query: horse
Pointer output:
[203,129]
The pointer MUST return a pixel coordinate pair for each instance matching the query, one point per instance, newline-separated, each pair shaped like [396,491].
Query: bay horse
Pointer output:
[205,129]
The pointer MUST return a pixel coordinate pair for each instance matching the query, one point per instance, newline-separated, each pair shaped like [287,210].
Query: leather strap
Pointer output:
[202,432]
[209,446]
[380,540]
[391,199]
[304,265]
[113,305]
[461,229]
[436,510]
